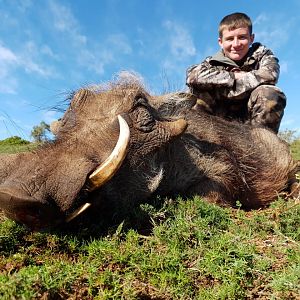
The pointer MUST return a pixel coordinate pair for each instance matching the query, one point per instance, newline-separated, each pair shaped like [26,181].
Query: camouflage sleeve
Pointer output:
[267,73]
[205,76]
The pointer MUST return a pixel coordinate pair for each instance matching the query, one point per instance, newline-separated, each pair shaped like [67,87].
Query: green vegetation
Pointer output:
[293,140]
[195,251]
[169,249]
[14,140]
[39,132]
[295,148]
[288,135]
[15,144]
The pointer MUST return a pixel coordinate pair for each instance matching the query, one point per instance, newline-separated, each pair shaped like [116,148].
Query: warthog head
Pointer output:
[101,131]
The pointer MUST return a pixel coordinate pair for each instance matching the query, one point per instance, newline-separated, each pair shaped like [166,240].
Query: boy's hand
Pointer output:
[237,73]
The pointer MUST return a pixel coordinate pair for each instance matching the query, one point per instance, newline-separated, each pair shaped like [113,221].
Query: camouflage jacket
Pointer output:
[214,74]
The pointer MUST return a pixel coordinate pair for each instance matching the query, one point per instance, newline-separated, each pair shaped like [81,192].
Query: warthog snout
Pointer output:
[23,208]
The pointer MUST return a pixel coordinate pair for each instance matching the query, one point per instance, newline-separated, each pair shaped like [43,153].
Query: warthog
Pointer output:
[121,145]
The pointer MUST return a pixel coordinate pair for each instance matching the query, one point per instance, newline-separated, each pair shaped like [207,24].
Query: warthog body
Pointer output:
[172,149]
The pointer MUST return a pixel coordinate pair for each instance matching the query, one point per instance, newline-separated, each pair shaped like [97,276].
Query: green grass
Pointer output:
[15,144]
[295,148]
[17,148]
[169,249]
[195,251]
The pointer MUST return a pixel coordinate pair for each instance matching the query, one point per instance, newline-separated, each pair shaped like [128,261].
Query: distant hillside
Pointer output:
[15,144]
[295,148]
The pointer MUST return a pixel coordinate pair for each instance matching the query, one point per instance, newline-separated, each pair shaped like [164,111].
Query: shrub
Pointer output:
[14,140]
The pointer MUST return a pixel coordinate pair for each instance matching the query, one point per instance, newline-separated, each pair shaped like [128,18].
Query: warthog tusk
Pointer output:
[110,166]
[77,212]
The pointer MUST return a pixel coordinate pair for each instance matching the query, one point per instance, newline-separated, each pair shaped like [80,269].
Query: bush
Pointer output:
[14,140]
[295,149]
[288,135]
[15,144]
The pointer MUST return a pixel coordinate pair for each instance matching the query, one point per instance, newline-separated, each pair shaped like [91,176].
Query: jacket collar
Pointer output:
[219,57]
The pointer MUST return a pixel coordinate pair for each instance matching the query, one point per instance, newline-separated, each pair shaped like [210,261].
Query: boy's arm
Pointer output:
[206,77]
[267,73]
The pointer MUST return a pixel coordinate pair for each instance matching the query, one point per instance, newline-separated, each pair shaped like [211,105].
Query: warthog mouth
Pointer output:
[40,214]
[77,212]
[23,208]
[108,168]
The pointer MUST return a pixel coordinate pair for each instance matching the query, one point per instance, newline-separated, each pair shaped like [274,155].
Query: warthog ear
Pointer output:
[177,104]
[177,127]
[22,208]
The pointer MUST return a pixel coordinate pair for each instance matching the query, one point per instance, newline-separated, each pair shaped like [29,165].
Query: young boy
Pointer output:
[238,83]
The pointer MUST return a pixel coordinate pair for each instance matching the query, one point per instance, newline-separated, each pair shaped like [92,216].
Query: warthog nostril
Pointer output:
[21,207]
[12,198]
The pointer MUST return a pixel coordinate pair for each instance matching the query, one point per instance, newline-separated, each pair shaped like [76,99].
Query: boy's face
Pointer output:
[235,43]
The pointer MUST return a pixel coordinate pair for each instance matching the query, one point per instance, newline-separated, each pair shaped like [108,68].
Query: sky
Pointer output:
[49,48]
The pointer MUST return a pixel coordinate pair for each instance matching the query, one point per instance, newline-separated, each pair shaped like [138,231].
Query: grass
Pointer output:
[195,251]
[15,145]
[295,149]
[168,249]
[17,148]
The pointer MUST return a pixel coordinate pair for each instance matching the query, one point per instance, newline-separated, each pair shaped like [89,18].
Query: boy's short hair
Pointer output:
[234,21]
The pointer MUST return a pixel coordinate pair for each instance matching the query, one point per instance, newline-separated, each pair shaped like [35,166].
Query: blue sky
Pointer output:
[49,48]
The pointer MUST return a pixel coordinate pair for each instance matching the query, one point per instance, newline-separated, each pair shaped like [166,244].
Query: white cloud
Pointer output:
[93,61]
[283,67]
[7,56]
[260,19]
[8,19]
[287,122]
[11,61]
[46,50]
[120,42]
[8,62]
[11,105]
[28,60]
[91,55]
[32,67]
[8,85]
[180,41]
[175,50]
[65,22]
[23,5]
[109,51]
[272,38]
[82,51]
[268,32]
[2,118]
[49,116]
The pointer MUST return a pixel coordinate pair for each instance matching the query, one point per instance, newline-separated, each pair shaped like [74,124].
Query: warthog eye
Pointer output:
[140,99]
[143,119]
